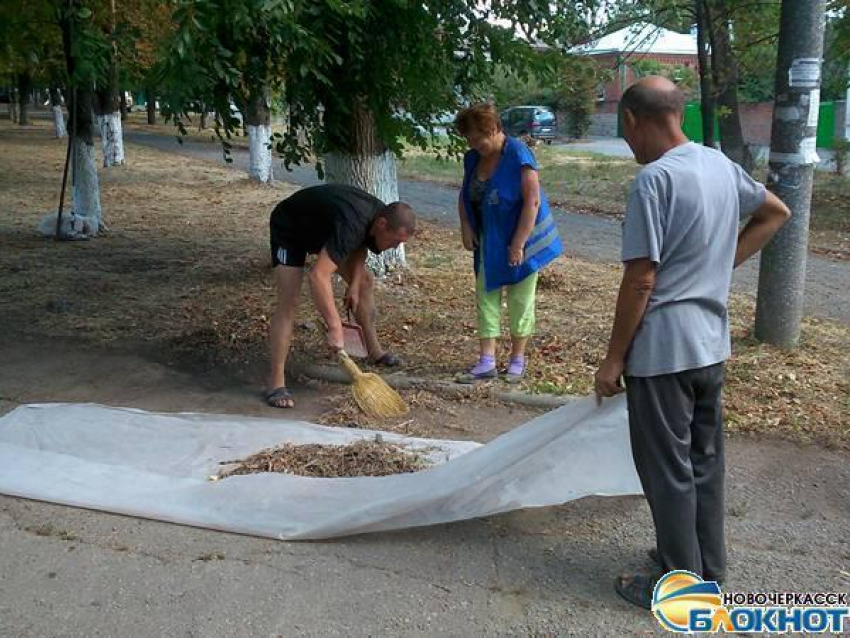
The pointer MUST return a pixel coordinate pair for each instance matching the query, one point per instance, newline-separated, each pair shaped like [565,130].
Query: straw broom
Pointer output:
[371,392]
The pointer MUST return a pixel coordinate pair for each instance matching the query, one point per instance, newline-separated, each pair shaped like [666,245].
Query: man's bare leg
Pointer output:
[366,313]
[287,281]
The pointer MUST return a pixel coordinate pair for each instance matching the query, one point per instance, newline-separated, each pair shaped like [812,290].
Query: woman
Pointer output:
[505,220]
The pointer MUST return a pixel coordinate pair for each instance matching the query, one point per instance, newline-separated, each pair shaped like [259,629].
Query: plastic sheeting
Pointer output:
[157,466]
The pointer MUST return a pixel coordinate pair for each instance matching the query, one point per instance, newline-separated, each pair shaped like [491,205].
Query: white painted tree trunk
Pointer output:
[86,192]
[360,158]
[59,122]
[260,153]
[375,174]
[112,137]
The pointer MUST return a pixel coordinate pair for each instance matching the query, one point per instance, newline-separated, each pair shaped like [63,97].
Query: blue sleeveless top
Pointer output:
[500,213]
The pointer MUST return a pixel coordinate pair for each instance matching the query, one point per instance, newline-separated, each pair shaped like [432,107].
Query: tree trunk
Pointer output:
[782,276]
[123,105]
[258,118]
[13,105]
[150,97]
[85,186]
[58,116]
[24,95]
[706,89]
[107,108]
[365,162]
[724,67]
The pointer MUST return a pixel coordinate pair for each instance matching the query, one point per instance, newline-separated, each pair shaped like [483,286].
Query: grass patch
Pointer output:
[590,182]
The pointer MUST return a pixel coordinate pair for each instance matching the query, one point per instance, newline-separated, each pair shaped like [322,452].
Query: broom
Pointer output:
[371,392]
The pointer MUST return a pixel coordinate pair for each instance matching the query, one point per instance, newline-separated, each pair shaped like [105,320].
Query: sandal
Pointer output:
[389,360]
[279,397]
[481,371]
[515,371]
[637,588]
[471,377]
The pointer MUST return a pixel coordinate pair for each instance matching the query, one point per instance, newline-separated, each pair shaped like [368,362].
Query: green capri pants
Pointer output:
[521,302]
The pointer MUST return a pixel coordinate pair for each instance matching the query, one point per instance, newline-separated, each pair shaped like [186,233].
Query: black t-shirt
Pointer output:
[332,216]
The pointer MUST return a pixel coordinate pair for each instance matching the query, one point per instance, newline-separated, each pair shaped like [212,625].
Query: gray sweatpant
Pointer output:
[676,428]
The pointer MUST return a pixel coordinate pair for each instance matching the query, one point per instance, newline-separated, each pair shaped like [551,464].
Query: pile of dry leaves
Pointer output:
[363,458]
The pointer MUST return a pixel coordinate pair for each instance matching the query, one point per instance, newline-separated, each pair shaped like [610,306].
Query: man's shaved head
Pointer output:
[654,98]
[651,111]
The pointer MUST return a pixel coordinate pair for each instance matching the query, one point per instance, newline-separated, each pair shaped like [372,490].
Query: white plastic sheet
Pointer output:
[157,466]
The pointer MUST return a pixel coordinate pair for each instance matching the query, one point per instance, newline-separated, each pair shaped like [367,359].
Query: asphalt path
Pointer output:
[593,237]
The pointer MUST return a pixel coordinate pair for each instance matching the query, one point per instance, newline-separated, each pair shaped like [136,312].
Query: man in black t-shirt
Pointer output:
[339,224]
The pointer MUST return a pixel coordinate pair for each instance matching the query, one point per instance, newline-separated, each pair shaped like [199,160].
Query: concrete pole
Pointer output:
[779,309]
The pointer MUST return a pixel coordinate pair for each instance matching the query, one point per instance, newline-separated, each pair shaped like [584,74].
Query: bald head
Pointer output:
[652,111]
[399,215]
[655,98]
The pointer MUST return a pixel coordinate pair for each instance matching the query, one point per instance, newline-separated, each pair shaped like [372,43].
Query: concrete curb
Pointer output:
[397,380]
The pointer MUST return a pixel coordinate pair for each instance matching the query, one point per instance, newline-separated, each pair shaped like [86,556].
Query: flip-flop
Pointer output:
[389,360]
[274,397]
[636,589]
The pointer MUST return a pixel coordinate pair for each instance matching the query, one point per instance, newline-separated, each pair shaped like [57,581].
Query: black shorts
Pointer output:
[286,253]
[286,249]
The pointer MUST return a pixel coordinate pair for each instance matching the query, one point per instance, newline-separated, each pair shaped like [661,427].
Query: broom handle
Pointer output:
[348,365]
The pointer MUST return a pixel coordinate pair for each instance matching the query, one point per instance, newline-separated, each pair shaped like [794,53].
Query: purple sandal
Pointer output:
[516,370]
[483,370]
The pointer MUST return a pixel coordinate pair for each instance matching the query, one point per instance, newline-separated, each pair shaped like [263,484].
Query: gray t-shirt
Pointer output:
[683,214]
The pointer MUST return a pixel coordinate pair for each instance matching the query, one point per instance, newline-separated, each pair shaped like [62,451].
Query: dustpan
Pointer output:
[353,340]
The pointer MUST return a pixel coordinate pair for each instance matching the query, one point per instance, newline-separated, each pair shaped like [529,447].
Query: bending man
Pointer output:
[340,224]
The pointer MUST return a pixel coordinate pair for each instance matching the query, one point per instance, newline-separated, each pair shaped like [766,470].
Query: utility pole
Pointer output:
[782,275]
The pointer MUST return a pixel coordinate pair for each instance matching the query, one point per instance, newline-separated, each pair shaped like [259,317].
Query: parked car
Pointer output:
[538,122]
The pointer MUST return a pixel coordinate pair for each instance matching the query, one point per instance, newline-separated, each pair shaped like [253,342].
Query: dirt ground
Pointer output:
[166,313]
[185,270]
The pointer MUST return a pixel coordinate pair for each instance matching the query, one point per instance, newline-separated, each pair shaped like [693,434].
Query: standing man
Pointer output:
[339,223]
[671,329]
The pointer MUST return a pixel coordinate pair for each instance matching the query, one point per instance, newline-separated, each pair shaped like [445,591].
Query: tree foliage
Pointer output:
[30,41]
[753,26]
[402,62]
[685,77]
[836,72]
[142,31]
